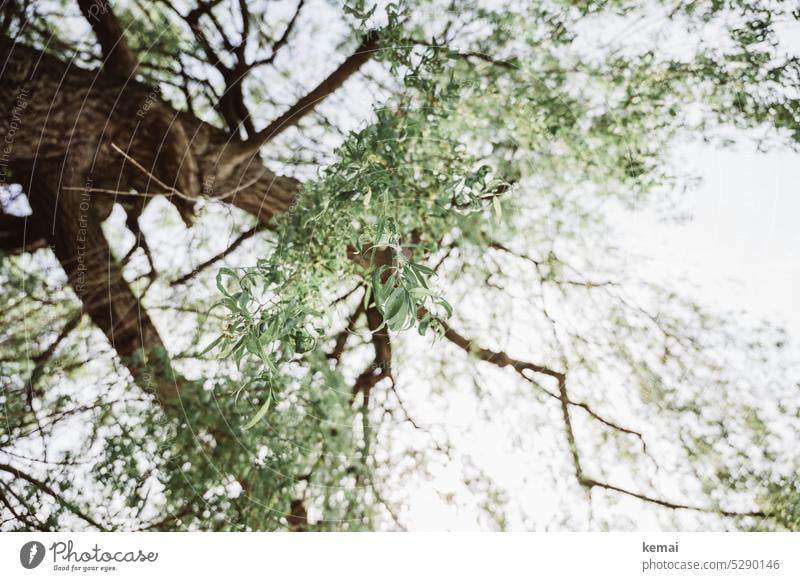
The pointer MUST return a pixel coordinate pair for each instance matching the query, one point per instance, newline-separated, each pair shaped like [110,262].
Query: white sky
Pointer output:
[743,243]
[741,251]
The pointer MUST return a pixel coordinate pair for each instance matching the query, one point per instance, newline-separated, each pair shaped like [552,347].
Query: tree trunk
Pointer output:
[62,130]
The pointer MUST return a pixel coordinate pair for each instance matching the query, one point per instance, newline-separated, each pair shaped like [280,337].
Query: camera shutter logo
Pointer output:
[31,554]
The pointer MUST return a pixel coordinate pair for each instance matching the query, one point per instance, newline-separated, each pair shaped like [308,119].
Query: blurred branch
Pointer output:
[41,486]
[41,360]
[503,63]
[590,483]
[246,235]
[281,42]
[502,359]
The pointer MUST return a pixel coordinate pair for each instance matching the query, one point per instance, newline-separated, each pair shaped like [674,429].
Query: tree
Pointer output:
[351,174]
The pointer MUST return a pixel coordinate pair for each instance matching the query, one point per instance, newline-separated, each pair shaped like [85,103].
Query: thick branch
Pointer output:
[305,105]
[77,157]
[297,518]
[381,366]
[118,58]
[341,339]
[96,277]
[499,358]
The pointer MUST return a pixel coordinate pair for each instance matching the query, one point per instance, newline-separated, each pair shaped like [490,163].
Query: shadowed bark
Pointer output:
[20,234]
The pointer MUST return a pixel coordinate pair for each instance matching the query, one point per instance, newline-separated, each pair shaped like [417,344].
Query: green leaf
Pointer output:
[420,292]
[393,303]
[213,344]
[498,209]
[423,325]
[254,347]
[243,300]
[233,349]
[262,411]
[398,320]
[422,268]
[367,296]
[223,272]
[377,286]
[446,306]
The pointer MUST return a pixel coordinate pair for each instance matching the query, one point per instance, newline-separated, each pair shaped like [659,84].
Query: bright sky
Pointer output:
[743,243]
[741,251]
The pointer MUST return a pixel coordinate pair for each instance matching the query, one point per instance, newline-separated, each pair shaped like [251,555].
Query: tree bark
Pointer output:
[61,131]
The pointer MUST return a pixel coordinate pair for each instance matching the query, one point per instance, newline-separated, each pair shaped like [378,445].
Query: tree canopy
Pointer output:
[265,264]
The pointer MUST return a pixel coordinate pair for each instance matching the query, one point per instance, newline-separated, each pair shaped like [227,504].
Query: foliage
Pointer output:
[473,194]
